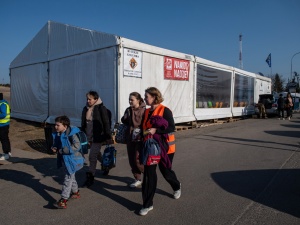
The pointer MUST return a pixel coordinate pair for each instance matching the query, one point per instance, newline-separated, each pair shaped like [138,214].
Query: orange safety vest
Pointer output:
[159,111]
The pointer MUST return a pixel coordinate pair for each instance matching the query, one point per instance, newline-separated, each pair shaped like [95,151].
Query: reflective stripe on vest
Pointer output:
[159,111]
[7,118]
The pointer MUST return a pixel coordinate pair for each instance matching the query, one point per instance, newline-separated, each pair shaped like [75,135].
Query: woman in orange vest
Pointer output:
[153,98]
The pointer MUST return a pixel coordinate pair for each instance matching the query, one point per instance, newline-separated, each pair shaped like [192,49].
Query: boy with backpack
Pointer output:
[96,124]
[67,145]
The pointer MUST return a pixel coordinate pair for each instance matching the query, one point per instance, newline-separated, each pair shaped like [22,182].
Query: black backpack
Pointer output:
[83,142]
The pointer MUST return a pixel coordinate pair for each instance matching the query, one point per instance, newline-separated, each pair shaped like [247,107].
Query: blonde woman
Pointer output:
[165,135]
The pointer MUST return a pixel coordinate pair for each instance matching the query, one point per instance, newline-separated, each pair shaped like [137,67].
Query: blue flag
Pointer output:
[268,60]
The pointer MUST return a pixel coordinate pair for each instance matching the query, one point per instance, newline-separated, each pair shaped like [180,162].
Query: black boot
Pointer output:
[89,179]
[105,171]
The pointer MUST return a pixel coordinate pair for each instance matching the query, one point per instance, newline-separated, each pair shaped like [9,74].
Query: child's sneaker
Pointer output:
[62,203]
[75,195]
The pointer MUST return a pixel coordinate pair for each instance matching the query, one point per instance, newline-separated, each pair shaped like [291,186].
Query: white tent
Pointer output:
[51,76]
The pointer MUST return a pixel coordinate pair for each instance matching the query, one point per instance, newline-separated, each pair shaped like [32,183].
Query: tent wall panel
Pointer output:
[29,92]
[68,40]
[71,78]
[36,50]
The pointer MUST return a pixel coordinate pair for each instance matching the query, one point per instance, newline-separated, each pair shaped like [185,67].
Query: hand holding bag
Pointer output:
[151,152]
[121,134]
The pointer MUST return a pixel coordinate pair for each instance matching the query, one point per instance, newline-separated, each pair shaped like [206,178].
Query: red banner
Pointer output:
[176,69]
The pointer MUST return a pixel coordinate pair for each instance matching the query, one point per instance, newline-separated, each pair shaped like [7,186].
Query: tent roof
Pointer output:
[56,40]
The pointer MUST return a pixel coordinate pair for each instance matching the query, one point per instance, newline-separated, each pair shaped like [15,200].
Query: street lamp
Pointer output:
[292,64]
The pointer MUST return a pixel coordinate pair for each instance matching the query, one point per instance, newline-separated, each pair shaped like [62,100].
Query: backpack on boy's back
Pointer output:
[83,142]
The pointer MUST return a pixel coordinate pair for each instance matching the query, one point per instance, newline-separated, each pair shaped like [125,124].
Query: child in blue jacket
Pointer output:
[67,146]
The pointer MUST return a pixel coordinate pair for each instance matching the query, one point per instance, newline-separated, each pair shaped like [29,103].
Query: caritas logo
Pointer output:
[176,69]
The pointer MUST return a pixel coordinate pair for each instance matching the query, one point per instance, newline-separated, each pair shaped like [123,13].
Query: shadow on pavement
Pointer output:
[291,126]
[278,189]
[294,121]
[295,134]
[232,141]
[47,167]
[104,188]
[28,180]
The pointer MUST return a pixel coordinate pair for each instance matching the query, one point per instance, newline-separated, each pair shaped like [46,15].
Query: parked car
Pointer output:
[269,102]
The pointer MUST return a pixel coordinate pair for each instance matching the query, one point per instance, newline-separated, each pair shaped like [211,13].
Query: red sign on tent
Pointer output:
[176,69]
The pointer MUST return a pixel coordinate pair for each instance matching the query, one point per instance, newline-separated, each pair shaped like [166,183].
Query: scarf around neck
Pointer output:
[89,113]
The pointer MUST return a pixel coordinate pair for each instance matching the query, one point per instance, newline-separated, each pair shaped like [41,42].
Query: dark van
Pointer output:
[269,102]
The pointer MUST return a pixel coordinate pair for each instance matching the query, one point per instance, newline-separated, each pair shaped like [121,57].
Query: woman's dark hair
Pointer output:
[64,120]
[93,93]
[154,92]
[137,96]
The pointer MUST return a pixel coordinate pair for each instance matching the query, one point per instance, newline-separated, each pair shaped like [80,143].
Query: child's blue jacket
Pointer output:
[71,156]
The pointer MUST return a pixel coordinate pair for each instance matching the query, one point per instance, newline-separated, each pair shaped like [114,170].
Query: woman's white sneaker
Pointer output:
[177,193]
[144,211]
[136,183]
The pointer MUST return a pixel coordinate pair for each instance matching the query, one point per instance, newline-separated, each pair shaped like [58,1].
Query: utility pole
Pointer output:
[292,64]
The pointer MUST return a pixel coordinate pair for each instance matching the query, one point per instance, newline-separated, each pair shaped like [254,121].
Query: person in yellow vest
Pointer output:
[153,98]
[4,128]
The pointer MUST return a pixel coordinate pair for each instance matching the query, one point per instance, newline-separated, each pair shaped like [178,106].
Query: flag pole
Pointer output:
[271,70]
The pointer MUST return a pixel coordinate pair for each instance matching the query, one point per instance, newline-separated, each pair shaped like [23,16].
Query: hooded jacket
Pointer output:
[101,126]
[71,157]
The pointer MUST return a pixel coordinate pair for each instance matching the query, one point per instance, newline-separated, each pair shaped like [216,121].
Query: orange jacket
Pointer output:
[159,111]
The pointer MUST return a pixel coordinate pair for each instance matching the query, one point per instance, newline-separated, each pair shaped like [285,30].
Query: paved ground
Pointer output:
[245,172]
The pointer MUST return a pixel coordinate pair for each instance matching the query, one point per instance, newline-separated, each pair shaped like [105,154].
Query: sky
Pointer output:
[209,29]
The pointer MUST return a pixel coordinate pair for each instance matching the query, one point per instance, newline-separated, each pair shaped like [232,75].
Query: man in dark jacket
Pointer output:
[280,107]
[95,123]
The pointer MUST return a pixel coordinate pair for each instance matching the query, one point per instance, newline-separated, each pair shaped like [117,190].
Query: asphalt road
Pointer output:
[244,172]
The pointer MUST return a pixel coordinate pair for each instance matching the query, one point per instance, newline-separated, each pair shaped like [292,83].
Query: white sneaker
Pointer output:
[136,183]
[144,211]
[5,156]
[177,193]
[289,118]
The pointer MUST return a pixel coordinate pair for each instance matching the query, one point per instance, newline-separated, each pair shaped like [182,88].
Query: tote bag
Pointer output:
[121,134]
[151,152]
